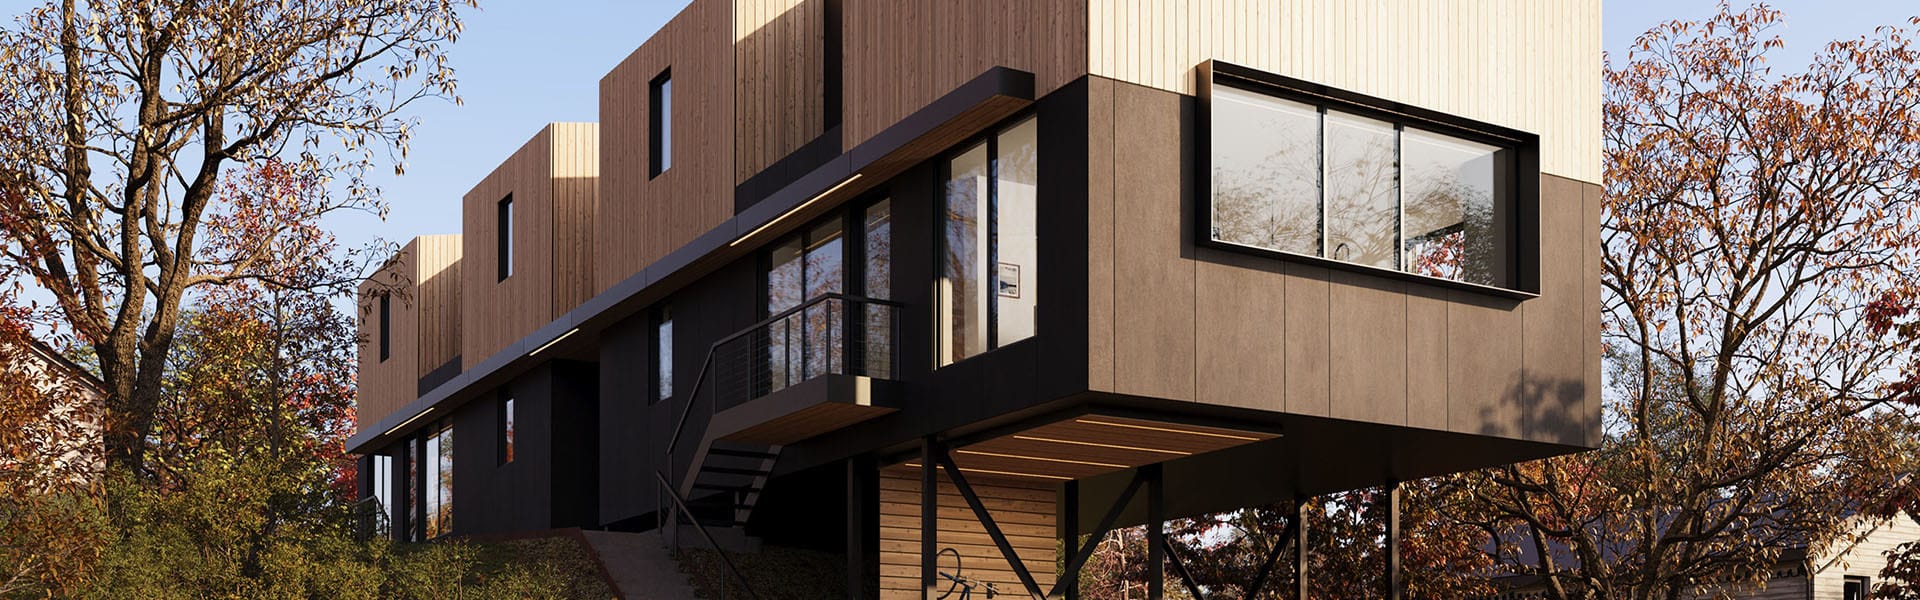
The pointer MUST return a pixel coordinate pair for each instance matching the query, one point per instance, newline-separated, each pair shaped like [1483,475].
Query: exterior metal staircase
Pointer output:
[830,335]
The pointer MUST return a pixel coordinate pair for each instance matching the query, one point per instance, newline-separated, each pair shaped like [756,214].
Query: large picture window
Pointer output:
[989,248]
[1303,173]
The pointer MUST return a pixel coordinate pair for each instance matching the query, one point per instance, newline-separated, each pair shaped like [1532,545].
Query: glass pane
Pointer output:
[784,292]
[1362,191]
[825,255]
[1454,229]
[663,355]
[963,298]
[433,486]
[1266,172]
[878,331]
[444,516]
[1015,248]
[506,432]
[415,502]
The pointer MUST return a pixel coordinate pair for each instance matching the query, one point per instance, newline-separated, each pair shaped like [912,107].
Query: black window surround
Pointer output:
[1523,236]
[660,124]
[386,327]
[503,239]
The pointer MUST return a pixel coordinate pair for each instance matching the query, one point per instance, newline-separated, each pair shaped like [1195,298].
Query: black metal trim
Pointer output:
[1523,267]
[441,374]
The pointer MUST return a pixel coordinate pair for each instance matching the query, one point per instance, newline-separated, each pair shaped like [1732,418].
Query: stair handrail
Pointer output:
[706,364]
[680,506]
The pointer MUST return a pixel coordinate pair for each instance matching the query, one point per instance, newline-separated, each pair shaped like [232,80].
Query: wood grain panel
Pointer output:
[642,218]
[576,191]
[437,274]
[779,88]
[1543,57]
[1309,340]
[422,281]
[1426,357]
[899,56]
[385,386]
[547,236]
[1024,510]
[1100,234]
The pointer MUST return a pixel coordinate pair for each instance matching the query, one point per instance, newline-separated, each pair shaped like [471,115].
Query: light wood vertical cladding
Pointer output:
[421,283]
[551,179]
[1024,509]
[900,56]
[642,218]
[437,275]
[1529,65]
[779,88]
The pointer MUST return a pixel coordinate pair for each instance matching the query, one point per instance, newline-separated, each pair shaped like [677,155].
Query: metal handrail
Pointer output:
[681,506]
[705,365]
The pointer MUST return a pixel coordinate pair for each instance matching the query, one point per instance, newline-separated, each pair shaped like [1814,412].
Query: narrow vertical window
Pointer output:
[383,493]
[506,430]
[438,460]
[878,278]
[660,123]
[503,239]
[986,291]
[663,355]
[416,502]
[386,327]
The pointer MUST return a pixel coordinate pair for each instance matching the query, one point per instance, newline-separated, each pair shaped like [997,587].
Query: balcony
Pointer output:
[808,370]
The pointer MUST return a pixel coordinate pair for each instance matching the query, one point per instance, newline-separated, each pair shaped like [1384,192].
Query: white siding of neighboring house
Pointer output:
[1864,558]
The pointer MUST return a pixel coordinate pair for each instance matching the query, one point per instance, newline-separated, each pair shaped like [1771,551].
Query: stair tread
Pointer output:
[733,470]
[741,453]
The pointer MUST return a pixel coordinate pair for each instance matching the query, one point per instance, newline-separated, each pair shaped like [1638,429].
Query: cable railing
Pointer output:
[832,334]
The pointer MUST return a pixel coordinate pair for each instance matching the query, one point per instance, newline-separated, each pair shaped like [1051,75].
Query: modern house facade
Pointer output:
[918,282]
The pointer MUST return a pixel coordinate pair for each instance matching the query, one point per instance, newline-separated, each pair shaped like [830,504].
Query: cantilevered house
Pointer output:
[896,278]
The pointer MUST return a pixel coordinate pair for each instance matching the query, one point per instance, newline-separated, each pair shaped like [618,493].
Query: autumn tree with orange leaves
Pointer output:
[124,119]
[1752,216]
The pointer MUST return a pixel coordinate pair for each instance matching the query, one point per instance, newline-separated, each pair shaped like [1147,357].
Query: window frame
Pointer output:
[660,123]
[660,373]
[507,420]
[503,238]
[386,326]
[1524,209]
[988,140]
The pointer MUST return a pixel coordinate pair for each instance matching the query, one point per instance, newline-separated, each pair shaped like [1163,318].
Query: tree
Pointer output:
[125,117]
[1440,557]
[1750,218]
[50,520]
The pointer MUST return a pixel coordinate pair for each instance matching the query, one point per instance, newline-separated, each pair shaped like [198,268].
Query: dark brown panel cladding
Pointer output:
[643,217]
[1308,340]
[1242,357]
[1168,320]
[1591,257]
[1426,357]
[1154,279]
[1367,358]
[1100,234]
[1553,391]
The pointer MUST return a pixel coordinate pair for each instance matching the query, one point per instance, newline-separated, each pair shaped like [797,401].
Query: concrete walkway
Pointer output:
[641,567]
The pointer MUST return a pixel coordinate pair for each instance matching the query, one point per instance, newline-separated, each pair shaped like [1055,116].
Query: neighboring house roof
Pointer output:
[73,370]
